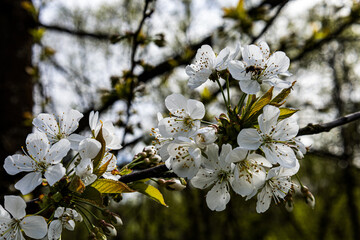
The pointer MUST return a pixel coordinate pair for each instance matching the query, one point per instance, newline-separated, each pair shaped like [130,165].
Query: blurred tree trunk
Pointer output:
[16,86]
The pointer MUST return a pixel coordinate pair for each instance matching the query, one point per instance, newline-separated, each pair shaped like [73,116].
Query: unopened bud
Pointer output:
[147,161]
[115,219]
[155,159]
[149,150]
[175,185]
[289,204]
[92,236]
[108,228]
[161,182]
[142,154]
[309,197]
[100,236]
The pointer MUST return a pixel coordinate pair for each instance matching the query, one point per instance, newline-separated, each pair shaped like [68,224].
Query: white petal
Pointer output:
[93,120]
[4,214]
[59,211]
[75,139]
[47,123]
[16,206]
[264,48]
[34,226]
[199,78]
[288,172]
[225,150]
[70,225]
[175,102]
[37,145]
[264,200]
[268,119]
[18,163]
[54,173]
[212,153]
[29,182]
[69,121]
[236,155]
[204,178]
[260,160]
[242,183]
[280,153]
[206,53]
[249,86]
[196,109]
[286,130]
[218,197]
[238,70]
[89,148]
[55,229]
[252,55]
[249,139]
[278,63]
[221,58]
[58,151]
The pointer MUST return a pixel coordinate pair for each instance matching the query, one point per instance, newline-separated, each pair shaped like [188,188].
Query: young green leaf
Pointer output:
[111,186]
[149,191]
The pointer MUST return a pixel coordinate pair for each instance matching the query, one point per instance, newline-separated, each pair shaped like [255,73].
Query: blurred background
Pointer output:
[123,58]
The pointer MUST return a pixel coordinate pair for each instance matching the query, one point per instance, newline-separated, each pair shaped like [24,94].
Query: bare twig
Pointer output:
[158,171]
[325,127]
[78,33]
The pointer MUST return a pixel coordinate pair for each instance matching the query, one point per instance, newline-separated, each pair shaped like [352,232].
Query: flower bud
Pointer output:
[155,159]
[108,228]
[175,185]
[115,219]
[309,197]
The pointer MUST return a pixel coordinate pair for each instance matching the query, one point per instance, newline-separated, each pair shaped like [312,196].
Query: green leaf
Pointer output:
[149,191]
[100,155]
[125,171]
[92,195]
[256,108]
[102,169]
[111,186]
[280,98]
[261,103]
[287,112]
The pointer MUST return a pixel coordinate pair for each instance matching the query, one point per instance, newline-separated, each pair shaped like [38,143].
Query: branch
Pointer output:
[270,22]
[158,171]
[78,33]
[325,127]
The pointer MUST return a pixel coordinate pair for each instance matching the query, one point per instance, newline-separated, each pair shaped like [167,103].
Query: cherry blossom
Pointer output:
[65,218]
[58,127]
[216,173]
[41,160]
[185,116]
[249,171]
[260,66]
[185,157]
[273,137]
[278,184]
[11,226]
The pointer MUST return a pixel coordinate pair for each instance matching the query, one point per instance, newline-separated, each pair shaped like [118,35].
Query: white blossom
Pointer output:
[41,160]
[273,138]
[65,218]
[85,171]
[185,116]
[216,173]
[58,127]
[89,148]
[260,66]
[205,136]
[278,184]
[113,142]
[11,226]
[185,157]
[249,171]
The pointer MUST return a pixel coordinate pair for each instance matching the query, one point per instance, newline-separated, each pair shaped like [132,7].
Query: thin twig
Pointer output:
[325,127]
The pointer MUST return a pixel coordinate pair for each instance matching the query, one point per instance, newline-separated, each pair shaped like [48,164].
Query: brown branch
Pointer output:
[325,127]
[77,33]
[158,171]
[270,22]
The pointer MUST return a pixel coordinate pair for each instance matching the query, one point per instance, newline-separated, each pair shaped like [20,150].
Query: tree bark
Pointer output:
[16,86]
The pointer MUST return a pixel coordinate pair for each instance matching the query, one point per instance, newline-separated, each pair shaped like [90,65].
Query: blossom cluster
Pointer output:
[57,157]
[253,149]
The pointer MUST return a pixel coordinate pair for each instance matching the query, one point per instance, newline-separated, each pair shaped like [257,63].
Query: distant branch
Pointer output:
[158,171]
[78,33]
[325,127]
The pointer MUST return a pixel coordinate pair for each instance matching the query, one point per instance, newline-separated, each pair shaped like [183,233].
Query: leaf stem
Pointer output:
[241,101]
[223,94]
